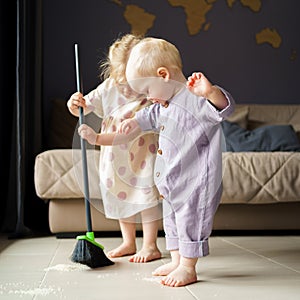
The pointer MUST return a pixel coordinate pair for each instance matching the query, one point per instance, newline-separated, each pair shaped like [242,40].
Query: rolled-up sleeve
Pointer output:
[215,115]
[229,109]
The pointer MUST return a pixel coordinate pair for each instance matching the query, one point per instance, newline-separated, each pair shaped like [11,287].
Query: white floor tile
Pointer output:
[242,267]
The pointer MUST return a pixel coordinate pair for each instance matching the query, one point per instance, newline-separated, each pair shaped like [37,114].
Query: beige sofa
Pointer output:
[261,189]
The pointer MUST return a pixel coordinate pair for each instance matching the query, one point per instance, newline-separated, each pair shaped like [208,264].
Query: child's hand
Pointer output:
[88,134]
[128,126]
[199,85]
[76,101]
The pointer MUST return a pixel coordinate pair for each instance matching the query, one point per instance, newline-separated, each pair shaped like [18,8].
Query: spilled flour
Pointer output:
[107,275]
[21,289]
[153,279]
[68,268]
[35,292]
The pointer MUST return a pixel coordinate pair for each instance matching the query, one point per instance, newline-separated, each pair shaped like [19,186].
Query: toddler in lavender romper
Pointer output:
[188,167]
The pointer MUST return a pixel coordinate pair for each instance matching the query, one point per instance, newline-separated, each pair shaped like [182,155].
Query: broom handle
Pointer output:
[83,148]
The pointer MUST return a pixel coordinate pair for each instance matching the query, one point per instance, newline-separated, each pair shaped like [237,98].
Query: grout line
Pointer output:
[189,291]
[261,256]
[46,272]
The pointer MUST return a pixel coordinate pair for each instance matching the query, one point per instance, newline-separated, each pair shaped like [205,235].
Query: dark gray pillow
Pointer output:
[265,138]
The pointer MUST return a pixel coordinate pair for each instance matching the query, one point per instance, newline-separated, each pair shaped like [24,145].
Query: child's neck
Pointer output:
[180,78]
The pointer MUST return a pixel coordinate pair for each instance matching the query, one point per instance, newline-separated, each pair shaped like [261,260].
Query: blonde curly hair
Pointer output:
[114,66]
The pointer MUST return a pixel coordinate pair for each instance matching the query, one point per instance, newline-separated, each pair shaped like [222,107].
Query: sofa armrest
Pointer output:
[58,174]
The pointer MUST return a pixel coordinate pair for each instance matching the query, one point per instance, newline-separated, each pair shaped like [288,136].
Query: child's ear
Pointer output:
[163,72]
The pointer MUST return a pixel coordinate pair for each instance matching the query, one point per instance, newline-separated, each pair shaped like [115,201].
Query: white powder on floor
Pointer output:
[13,288]
[67,268]
[34,292]
[107,275]
[152,279]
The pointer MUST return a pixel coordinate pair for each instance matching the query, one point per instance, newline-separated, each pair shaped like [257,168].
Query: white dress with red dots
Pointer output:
[126,171]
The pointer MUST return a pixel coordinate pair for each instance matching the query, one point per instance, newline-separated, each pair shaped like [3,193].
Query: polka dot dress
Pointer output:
[126,171]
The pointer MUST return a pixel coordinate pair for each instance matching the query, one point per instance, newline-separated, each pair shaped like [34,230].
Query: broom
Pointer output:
[87,251]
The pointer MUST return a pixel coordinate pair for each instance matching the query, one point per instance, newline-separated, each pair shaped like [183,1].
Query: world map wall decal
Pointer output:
[141,20]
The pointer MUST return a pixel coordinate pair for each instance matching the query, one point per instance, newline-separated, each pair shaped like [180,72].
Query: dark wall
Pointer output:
[227,52]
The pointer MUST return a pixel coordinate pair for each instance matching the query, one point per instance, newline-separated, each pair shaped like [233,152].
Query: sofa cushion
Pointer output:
[273,114]
[261,177]
[249,177]
[240,116]
[58,174]
[265,138]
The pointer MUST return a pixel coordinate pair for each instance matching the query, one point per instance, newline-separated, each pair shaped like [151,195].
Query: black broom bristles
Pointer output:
[90,253]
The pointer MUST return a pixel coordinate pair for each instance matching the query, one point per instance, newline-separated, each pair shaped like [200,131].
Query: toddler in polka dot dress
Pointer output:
[126,171]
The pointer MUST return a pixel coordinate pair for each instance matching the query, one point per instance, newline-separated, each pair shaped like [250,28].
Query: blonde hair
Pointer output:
[114,65]
[153,53]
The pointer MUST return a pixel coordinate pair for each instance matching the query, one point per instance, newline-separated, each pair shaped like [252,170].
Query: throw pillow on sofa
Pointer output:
[265,138]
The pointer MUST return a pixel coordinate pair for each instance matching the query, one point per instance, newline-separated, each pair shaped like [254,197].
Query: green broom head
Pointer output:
[88,252]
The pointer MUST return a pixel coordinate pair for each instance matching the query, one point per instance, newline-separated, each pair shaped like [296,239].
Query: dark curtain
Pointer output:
[21,212]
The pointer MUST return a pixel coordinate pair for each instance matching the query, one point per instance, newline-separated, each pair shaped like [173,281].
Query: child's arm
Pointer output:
[129,126]
[107,139]
[200,86]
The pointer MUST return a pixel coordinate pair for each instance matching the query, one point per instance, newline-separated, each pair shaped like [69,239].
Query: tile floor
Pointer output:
[239,267]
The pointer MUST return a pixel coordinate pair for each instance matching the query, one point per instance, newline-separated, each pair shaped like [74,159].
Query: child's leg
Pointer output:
[171,243]
[149,249]
[128,246]
[168,268]
[184,274]
[194,227]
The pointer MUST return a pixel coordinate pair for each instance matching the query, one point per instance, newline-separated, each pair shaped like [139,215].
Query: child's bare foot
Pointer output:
[181,276]
[122,250]
[165,270]
[145,255]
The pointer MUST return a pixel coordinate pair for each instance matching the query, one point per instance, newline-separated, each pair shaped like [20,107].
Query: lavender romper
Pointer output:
[188,167]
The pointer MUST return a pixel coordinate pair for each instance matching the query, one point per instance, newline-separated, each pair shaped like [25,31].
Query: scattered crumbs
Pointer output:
[153,279]
[68,268]
[21,289]
[107,275]
[36,291]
